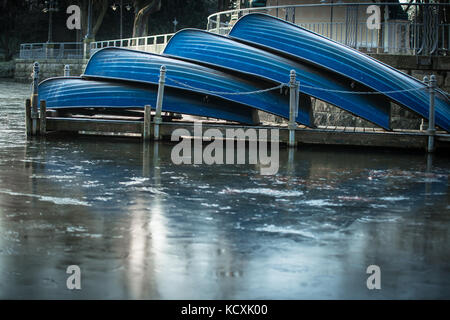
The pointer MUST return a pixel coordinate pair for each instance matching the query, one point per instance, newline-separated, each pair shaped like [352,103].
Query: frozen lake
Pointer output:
[140,227]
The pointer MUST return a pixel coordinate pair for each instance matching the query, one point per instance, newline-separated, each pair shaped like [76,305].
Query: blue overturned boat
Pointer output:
[228,78]
[142,67]
[78,93]
[217,51]
[286,39]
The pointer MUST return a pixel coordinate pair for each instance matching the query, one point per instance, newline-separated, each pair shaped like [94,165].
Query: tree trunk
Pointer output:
[140,28]
[98,22]
[83,4]
[100,6]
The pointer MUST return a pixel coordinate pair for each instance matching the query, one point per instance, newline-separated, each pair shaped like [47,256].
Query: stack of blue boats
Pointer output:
[206,71]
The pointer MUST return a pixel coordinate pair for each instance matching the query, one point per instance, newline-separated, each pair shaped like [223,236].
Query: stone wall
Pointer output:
[328,115]
[48,68]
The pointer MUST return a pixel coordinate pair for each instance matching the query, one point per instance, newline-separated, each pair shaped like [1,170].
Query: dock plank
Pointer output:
[349,129]
[328,135]
[78,124]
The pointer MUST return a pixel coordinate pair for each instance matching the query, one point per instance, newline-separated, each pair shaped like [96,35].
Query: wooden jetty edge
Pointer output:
[145,129]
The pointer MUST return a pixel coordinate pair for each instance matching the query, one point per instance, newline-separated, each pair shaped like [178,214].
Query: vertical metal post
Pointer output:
[67,70]
[159,100]
[28,117]
[218,23]
[423,123]
[89,21]
[34,99]
[356,29]
[121,19]
[331,19]
[88,38]
[43,117]
[292,109]
[431,115]
[147,122]
[50,22]
[297,98]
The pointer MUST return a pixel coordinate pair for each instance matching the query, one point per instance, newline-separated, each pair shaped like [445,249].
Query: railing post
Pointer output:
[62,51]
[431,115]
[159,100]
[43,117]
[147,122]
[423,123]
[218,23]
[292,108]
[34,99]
[297,98]
[67,70]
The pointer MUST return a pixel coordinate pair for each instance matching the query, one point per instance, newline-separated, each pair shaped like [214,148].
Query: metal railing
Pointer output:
[415,29]
[153,44]
[397,37]
[57,50]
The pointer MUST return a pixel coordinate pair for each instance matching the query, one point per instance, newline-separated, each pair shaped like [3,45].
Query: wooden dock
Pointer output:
[135,126]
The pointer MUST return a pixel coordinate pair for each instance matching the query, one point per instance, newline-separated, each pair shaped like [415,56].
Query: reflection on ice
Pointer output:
[55,200]
[263,191]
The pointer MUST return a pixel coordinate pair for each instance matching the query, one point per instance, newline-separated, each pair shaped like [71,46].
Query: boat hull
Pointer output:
[295,42]
[222,52]
[77,93]
[117,63]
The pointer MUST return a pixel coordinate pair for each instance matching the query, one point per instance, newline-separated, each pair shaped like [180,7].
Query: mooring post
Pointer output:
[423,122]
[297,98]
[431,127]
[67,70]
[34,99]
[292,108]
[28,123]
[43,117]
[159,100]
[147,122]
